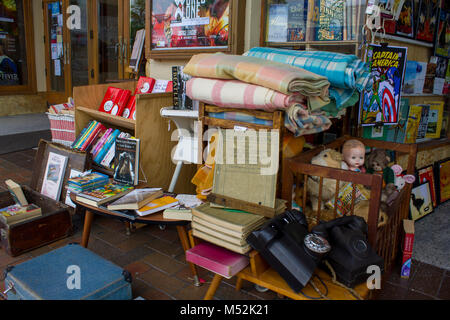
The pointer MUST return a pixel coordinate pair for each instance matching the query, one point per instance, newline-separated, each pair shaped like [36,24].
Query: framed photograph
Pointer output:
[427,20]
[179,29]
[442,175]
[54,175]
[426,174]
[420,203]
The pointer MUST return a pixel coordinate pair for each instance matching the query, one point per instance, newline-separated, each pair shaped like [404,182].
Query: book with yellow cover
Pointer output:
[157,205]
[412,126]
[435,117]
[15,213]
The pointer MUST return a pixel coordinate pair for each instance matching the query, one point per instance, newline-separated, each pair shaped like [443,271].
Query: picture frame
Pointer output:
[426,174]
[442,176]
[420,202]
[405,23]
[441,40]
[180,31]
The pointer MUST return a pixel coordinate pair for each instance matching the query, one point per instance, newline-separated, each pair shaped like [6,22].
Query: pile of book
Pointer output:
[417,123]
[120,102]
[183,211]
[106,193]
[87,182]
[227,228]
[63,108]
[21,210]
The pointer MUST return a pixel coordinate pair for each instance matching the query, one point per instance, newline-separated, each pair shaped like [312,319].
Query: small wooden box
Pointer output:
[54,224]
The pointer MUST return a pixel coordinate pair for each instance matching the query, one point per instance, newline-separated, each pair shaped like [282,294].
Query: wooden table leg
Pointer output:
[213,287]
[182,234]
[89,216]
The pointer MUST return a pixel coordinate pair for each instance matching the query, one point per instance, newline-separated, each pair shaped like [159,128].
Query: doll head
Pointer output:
[354,152]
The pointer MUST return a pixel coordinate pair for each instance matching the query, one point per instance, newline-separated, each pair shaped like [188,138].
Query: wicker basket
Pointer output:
[384,237]
[62,127]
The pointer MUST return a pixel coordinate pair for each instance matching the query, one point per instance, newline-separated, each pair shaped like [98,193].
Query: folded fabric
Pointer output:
[273,75]
[301,122]
[239,94]
[346,72]
[240,117]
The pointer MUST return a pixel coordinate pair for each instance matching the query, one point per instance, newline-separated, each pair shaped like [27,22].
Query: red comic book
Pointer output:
[144,85]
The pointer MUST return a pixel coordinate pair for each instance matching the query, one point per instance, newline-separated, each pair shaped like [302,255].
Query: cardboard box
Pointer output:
[407,247]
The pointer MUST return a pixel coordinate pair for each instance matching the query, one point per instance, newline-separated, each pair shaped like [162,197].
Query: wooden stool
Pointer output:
[223,262]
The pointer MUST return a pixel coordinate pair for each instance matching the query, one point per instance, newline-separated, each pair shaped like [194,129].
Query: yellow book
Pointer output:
[435,117]
[157,205]
[412,126]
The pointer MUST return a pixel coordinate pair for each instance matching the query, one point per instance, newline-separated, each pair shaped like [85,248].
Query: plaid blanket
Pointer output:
[273,75]
[238,94]
[345,72]
[297,120]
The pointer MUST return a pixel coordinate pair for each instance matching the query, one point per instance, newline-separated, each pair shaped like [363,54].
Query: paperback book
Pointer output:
[330,24]
[16,213]
[16,192]
[156,205]
[412,126]
[423,123]
[126,161]
[435,117]
[86,182]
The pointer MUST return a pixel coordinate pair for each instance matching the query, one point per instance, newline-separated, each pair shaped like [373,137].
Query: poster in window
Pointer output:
[194,24]
[405,22]
[297,17]
[10,45]
[381,101]
[277,23]
[442,42]
[427,20]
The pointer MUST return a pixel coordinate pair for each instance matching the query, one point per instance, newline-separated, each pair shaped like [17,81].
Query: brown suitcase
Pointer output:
[54,224]
[56,220]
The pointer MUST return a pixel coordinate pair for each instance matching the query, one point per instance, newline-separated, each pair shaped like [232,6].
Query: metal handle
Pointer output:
[10,288]
[120,50]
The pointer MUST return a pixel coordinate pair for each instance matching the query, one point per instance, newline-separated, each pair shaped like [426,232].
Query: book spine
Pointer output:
[83,133]
[102,142]
[92,137]
[109,156]
[176,88]
[87,135]
[97,140]
[107,145]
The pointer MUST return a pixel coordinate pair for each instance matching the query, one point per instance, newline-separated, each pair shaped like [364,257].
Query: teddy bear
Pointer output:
[378,162]
[326,158]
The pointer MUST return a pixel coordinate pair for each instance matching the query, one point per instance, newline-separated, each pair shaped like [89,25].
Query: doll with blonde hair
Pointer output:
[353,152]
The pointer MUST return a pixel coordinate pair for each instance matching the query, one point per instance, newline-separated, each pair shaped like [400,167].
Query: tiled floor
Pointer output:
[156,259]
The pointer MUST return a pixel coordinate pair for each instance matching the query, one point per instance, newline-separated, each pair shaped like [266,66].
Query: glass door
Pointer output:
[133,21]
[56,49]
[79,47]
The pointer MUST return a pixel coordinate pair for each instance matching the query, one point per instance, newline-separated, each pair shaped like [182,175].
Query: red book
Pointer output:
[217,259]
[128,111]
[115,100]
[144,85]
[95,132]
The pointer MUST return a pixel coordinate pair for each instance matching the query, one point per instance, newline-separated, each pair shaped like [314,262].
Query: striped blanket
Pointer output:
[345,72]
[238,94]
[273,75]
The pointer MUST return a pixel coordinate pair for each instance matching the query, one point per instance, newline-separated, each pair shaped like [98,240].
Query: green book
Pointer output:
[232,219]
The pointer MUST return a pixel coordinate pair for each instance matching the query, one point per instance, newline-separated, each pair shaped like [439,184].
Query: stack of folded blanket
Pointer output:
[253,83]
[347,74]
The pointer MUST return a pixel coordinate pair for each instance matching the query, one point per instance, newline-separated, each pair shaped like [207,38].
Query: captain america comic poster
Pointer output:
[380,102]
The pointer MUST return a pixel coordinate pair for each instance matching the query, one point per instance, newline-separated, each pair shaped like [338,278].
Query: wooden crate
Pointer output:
[385,239]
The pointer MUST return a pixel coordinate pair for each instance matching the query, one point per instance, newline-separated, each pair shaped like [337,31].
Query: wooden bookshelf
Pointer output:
[152,130]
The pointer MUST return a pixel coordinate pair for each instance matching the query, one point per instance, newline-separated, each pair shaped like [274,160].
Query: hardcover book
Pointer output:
[115,100]
[129,111]
[228,218]
[144,85]
[412,126]
[126,161]
[162,86]
[109,142]
[330,25]
[156,205]
[54,175]
[435,119]
[179,80]
[16,213]
[85,182]
[423,123]
[277,23]
[220,242]
[217,259]
[297,16]
[99,196]
[16,192]
[136,199]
